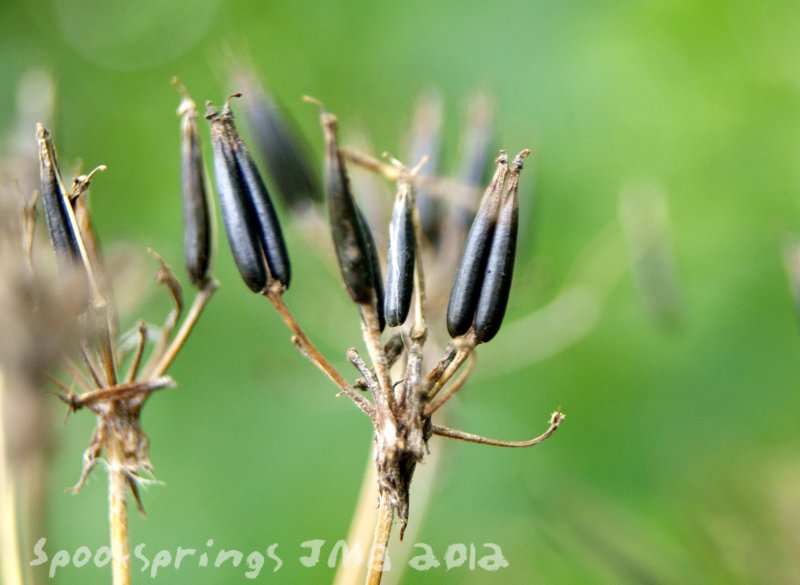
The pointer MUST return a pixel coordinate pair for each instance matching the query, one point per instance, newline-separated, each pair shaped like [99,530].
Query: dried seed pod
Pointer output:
[400,259]
[55,201]
[251,224]
[281,145]
[270,229]
[196,217]
[426,138]
[496,284]
[349,231]
[375,266]
[469,277]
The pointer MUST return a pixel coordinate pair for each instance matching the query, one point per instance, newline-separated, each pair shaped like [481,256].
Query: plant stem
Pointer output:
[199,303]
[118,513]
[380,543]
[361,527]
[310,351]
[10,561]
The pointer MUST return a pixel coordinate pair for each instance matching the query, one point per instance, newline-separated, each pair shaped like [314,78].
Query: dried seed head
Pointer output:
[55,201]
[466,288]
[400,258]
[496,284]
[351,236]
[251,223]
[197,238]
[281,145]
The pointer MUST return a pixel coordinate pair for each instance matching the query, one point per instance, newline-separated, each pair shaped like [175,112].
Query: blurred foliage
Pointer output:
[678,460]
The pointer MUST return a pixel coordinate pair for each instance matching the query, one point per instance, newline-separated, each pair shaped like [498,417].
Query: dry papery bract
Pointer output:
[405,393]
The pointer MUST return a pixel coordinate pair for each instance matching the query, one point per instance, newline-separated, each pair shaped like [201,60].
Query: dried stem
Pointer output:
[453,191]
[196,310]
[10,558]
[370,328]
[380,543]
[453,388]
[308,349]
[118,513]
[555,420]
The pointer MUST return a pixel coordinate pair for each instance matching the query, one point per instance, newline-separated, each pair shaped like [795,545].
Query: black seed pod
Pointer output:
[251,224]
[270,232]
[400,259]
[426,139]
[467,285]
[500,265]
[375,266]
[349,231]
[282,147]
[55,202]
[196,218]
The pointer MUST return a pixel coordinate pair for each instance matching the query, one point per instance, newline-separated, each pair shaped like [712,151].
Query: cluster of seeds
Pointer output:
[405,390]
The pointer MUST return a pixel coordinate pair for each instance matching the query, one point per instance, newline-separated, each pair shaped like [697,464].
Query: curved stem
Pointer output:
[555,420]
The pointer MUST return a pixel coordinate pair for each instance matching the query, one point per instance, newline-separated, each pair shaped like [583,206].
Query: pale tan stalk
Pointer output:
[118,513]
[380,543]
[10,559]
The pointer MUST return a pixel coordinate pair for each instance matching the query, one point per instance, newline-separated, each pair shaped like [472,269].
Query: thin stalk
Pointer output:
[361,527]
[380,543]
[118,514]
[196,310]
[555,420]
[452,389]
[309,350]
[370,329]
[10,559]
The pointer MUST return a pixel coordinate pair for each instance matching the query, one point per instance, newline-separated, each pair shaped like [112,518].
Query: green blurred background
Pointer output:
[678,459]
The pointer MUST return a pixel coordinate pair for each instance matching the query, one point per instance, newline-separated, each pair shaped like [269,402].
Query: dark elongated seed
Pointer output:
[476,149]
[347,226]
[282,147]
[238,216]
[251,224]
[426,138]
[400,259]
[270,229]
[194,191]
[375,266]
[500,265]
[467,285]
[55,201]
